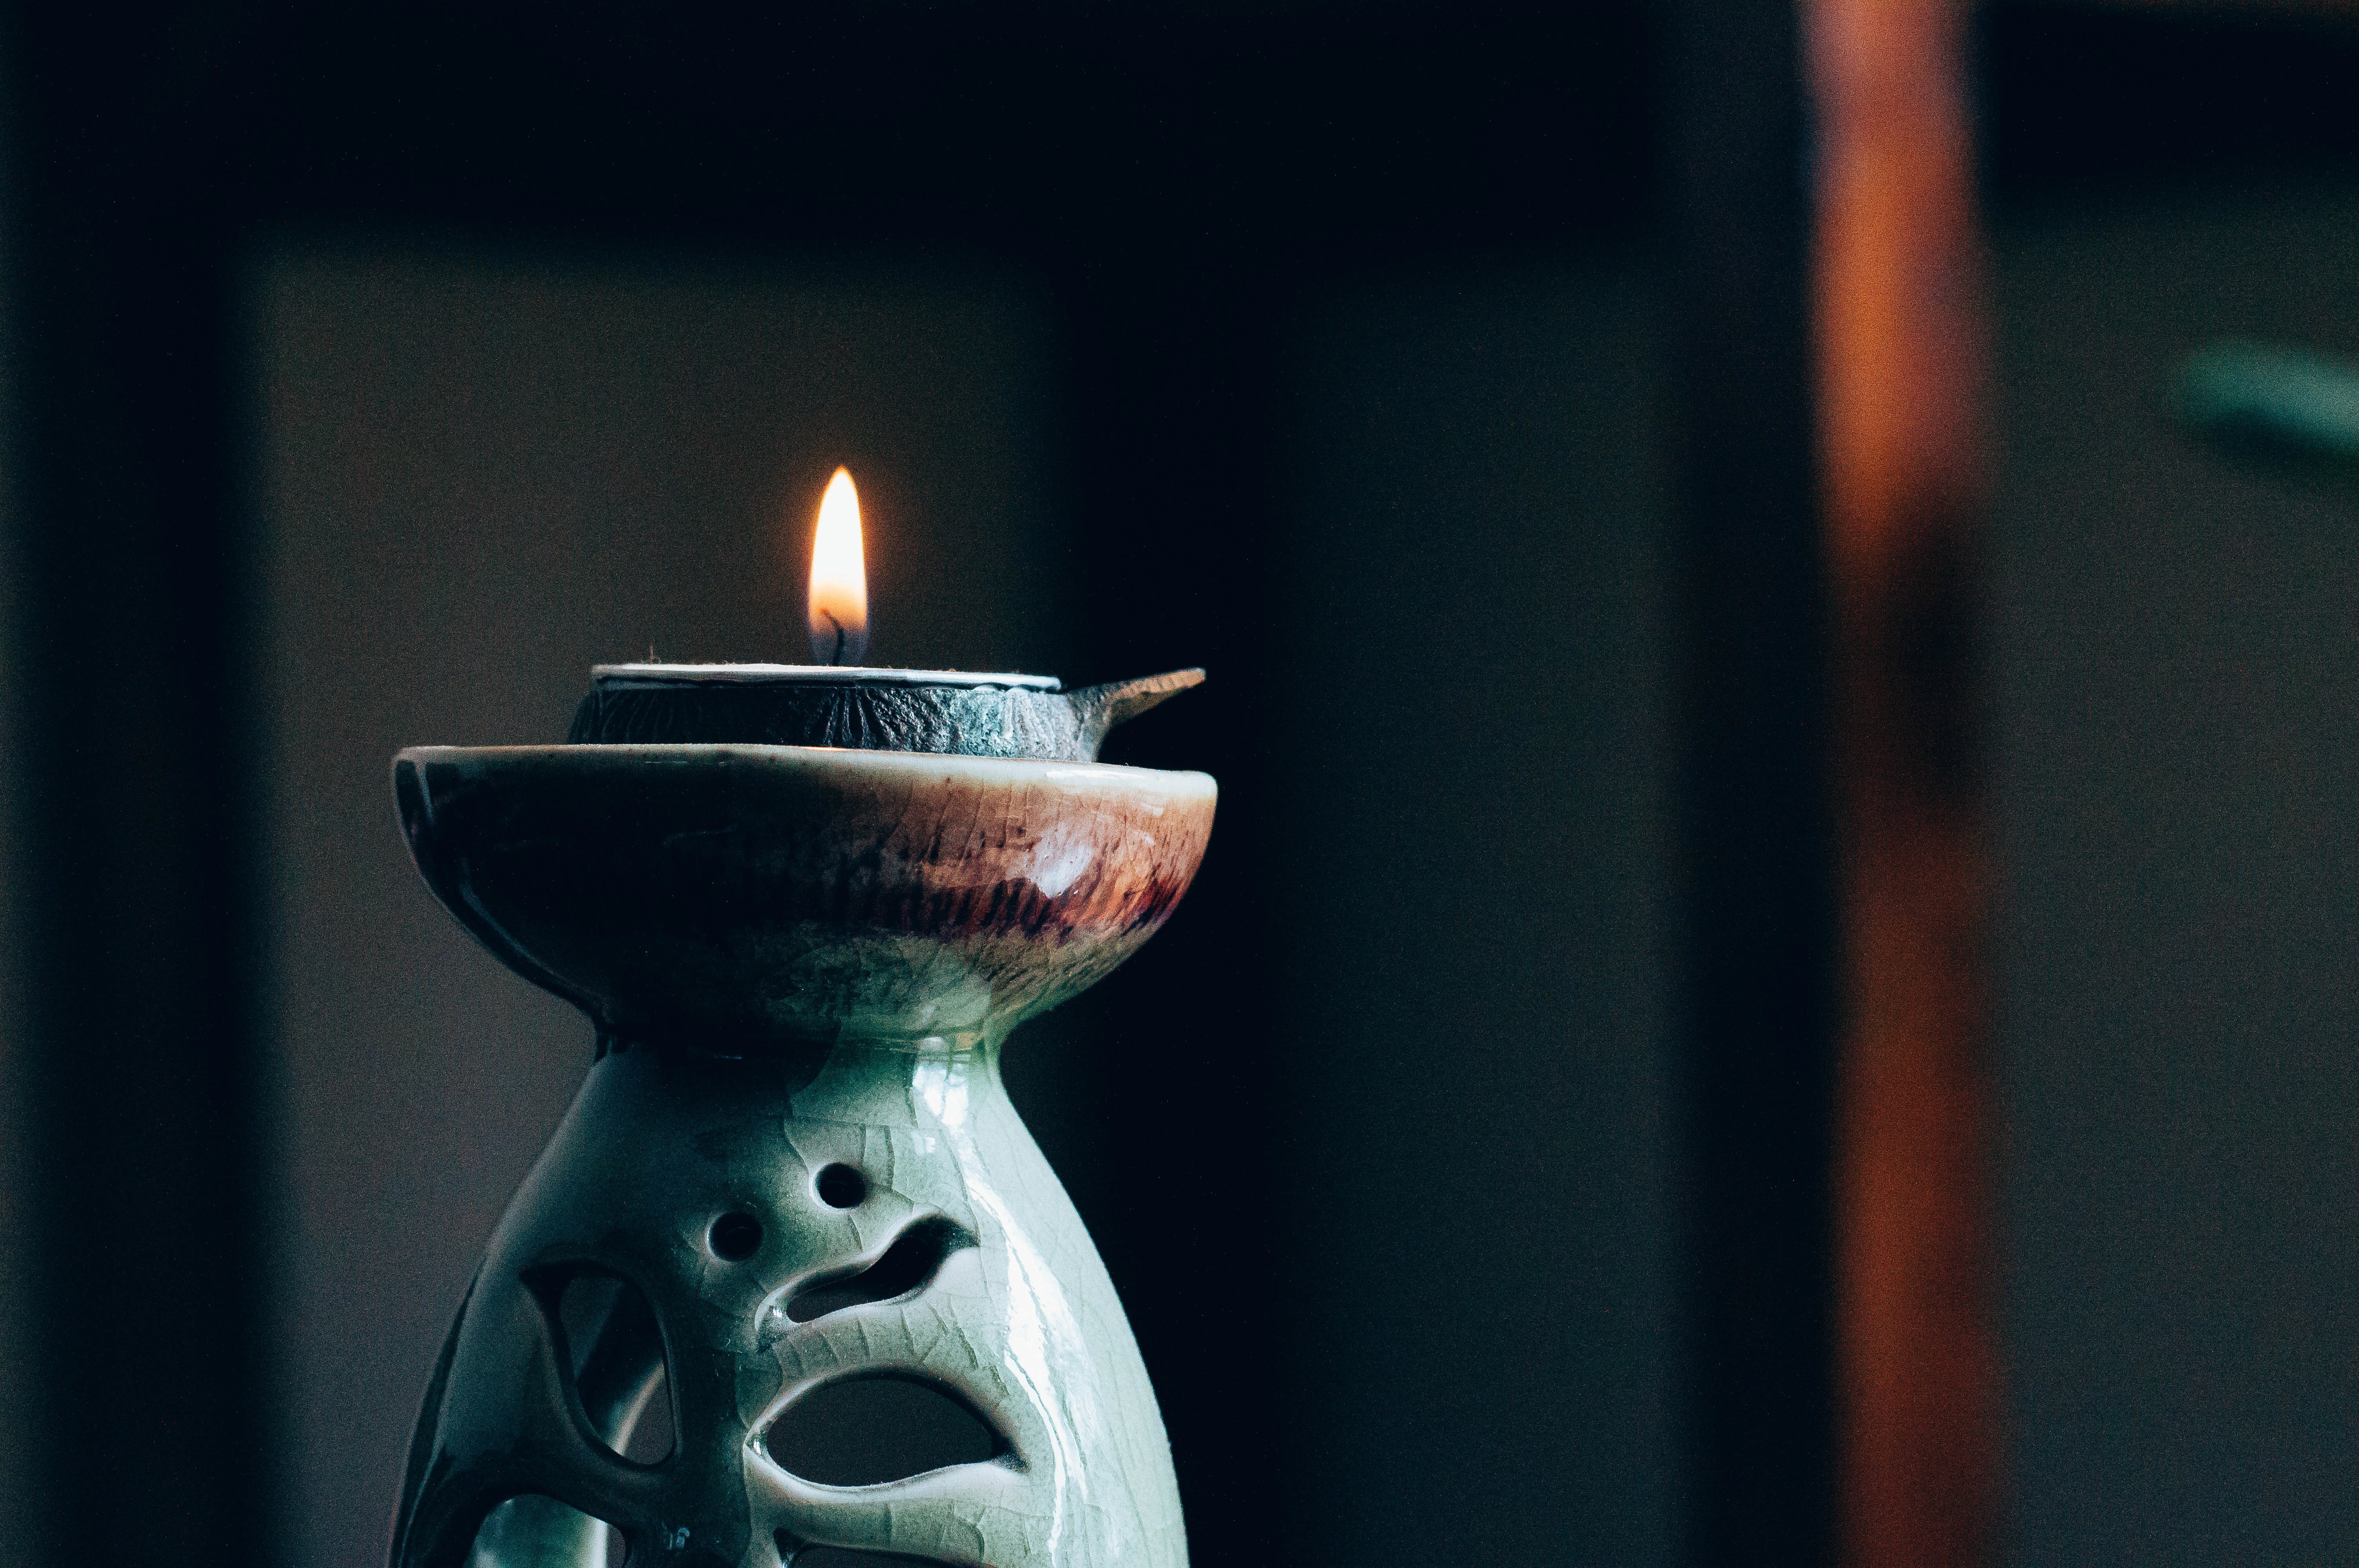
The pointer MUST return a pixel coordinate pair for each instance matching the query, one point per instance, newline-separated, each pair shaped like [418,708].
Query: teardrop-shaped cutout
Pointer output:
[614,1349]
[534,1531]
[915,1257]
[864,1431]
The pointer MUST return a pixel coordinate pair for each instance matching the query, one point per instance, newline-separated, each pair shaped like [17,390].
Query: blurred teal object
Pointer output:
[2287,407]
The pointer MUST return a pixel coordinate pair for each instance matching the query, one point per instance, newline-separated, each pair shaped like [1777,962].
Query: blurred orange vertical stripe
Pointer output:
[1899,316]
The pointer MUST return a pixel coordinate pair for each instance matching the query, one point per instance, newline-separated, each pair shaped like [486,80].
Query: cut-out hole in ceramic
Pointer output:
[646,1438]
[735,1237]
[862,1432]
[535,1532]
[586,1303]
[912,1261]
[614,1350]
[841,1187]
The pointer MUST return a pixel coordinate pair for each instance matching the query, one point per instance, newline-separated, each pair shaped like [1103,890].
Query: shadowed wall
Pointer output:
[2175,785]
[1476,1036]
[483,474]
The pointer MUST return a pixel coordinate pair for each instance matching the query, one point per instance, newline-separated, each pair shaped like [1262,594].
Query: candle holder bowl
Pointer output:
[792,1164]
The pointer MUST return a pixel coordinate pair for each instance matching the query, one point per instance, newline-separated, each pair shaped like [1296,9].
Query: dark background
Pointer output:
[1434,376]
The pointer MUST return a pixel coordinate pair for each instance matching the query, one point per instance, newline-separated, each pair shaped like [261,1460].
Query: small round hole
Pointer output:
[841,1187]
[736,1236]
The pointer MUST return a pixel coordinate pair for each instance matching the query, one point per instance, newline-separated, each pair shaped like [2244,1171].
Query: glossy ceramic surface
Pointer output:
[735,897]
[802,964]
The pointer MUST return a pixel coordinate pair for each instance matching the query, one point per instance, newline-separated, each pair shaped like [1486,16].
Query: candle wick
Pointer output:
[835,657]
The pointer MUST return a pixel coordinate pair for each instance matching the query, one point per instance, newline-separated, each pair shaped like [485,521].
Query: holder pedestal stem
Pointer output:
[667,1151]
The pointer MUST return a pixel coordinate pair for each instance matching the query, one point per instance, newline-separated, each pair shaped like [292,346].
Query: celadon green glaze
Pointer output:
[880,921]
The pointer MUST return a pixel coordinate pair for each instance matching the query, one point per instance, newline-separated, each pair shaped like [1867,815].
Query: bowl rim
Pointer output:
[1055,772]
[665,676]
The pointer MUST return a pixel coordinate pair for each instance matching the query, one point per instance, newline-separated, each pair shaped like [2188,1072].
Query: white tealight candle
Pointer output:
[625,677]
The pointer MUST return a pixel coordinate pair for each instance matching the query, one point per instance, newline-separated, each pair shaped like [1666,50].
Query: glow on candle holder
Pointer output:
[839,578]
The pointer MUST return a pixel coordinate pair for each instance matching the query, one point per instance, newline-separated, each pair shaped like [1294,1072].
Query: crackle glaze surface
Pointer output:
[886,918]
[1018,1319]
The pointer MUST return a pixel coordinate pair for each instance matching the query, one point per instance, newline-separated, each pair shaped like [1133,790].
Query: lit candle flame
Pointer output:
[839,578]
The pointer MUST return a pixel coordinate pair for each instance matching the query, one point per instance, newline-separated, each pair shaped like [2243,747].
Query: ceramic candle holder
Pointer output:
[794,1151]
